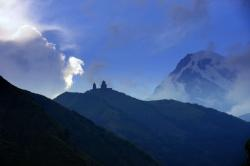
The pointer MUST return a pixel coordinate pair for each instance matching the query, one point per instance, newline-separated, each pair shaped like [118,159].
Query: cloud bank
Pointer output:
[31,62]
[27,58]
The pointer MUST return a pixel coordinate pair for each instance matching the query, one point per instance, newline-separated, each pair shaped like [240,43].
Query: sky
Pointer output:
[52,46]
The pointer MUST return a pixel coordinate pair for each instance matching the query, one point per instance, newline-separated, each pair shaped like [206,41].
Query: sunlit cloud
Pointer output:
[27,57]
[13,15]
[74,67]
[26,32]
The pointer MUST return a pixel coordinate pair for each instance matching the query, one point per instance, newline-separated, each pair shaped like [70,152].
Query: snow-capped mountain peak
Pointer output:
[209,65]
[202,77]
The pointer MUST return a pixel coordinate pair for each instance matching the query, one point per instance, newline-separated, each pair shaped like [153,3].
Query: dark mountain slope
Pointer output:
[28,136]
[85,136]
[175,133]
[73,130]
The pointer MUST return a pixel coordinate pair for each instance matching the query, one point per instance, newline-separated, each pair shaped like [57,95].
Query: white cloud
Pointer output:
[239,94]
[240,109]
[74,67]
[37,65]
[27,58]
[13,14]
[25,33]
[170,90]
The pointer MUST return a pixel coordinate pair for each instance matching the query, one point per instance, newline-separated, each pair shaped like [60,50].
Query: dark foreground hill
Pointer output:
[37,131]
[174,133]
[28,136]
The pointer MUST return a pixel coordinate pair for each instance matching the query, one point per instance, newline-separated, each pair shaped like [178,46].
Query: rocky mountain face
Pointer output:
[202,77]
[173,132]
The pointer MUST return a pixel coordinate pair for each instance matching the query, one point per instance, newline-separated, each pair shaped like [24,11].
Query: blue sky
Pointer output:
[134,44]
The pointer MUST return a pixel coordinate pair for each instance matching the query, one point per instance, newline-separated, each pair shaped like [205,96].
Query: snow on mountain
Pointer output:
[202,77]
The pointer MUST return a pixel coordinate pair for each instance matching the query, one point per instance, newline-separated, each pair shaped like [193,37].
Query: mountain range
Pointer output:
[172,132]
[35,130]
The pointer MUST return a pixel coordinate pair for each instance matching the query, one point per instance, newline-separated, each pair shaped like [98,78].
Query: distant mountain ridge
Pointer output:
[174,133]
[35,130]
[202,77]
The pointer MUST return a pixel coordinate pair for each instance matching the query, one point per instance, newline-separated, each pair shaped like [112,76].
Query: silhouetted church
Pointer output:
[94,86]
[103,86]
